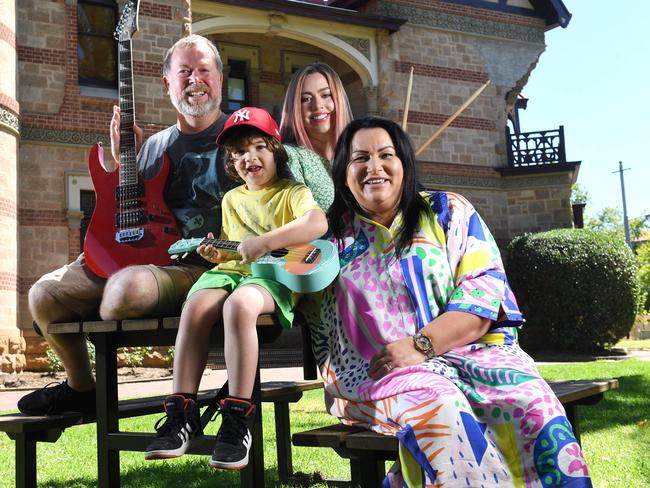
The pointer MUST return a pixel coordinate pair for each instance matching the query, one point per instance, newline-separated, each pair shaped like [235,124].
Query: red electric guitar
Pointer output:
[131,223]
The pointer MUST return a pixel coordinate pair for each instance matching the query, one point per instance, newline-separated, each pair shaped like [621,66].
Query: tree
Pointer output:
[610,219]
[578,194]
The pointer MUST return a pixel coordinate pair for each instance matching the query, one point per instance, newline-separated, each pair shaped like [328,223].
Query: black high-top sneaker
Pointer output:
[234,437]
[181,424]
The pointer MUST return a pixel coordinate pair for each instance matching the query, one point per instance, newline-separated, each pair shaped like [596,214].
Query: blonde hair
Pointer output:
[292,129]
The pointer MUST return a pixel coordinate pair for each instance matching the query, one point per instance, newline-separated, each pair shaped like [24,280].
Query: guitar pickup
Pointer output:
[129,219]
[129,204]
[128,192]
[129,235]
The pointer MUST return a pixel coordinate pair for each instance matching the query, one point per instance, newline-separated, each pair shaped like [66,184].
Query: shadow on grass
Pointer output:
[189,474]
[627,405]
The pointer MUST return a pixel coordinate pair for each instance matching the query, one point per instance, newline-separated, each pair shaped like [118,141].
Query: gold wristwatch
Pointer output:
[423,344]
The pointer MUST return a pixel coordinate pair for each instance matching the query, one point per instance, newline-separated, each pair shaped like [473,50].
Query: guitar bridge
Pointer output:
[129,235]
[312,256]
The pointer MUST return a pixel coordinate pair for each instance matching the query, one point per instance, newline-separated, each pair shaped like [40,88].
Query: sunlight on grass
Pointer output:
[614,436]
[634,344]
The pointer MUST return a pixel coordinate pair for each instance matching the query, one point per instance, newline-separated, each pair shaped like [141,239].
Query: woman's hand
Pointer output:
[211,253]
[397,354]
[252,248]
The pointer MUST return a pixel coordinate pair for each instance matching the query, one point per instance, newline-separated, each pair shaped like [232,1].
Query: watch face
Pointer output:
[422,342]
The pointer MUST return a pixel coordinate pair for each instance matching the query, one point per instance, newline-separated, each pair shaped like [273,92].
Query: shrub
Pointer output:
[577,288]
[643,256]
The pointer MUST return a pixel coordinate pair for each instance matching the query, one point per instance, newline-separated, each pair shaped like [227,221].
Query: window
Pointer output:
[237,83]
[87,199]
[79,201]
[96,48]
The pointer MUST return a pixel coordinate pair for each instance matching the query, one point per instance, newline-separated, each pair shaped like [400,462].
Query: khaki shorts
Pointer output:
[77,288]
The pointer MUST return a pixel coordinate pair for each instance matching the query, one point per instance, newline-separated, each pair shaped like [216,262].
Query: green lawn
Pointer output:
[634,344]
[615,440]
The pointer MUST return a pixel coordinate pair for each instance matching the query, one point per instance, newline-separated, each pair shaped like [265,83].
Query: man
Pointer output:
[192,76]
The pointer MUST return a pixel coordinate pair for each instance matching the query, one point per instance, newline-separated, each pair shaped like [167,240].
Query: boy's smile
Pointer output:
[255,164]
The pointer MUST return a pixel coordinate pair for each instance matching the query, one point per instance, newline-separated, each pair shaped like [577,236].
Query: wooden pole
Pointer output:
[407,102]
[187,19]
[452,118]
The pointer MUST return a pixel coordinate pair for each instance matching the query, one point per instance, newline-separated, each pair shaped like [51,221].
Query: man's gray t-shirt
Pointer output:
[197,179]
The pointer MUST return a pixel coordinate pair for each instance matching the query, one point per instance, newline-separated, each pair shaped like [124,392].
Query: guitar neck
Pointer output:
[128,168]
[232,246]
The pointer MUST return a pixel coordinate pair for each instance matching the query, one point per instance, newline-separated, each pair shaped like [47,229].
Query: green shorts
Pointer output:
[284,298]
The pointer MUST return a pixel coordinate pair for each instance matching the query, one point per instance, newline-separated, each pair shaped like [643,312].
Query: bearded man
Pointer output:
[192,76]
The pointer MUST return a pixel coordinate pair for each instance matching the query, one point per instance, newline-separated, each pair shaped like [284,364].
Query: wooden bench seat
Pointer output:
[368,451]
[27,431]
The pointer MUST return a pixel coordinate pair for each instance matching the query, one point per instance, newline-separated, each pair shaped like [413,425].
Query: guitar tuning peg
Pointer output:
[185,255]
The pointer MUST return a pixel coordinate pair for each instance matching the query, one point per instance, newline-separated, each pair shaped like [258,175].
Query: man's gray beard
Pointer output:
[196,110]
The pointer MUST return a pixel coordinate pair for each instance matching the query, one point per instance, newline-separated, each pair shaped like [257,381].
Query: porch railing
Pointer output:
[527,149]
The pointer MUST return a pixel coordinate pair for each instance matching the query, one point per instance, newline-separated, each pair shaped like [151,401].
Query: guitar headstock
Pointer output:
[128,23]
[185,245]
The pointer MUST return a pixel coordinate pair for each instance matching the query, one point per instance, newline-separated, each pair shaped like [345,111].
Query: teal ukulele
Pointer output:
[303,269]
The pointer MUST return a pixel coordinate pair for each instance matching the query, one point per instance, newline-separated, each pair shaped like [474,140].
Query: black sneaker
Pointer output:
[182,423]
[234,437]
[60,398]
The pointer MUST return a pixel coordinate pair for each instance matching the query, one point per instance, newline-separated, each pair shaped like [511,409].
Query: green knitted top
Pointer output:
[314,171]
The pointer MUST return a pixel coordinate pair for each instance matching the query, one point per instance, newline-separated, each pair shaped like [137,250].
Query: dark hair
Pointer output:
[242,135]
[411,204]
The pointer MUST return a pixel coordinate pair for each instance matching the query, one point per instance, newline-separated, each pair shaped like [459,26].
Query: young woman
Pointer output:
[315,112]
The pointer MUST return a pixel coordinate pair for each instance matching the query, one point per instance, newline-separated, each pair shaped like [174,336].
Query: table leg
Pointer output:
[25,461]
[108,460]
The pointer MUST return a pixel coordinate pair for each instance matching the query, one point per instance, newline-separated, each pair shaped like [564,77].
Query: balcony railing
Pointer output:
[528,149]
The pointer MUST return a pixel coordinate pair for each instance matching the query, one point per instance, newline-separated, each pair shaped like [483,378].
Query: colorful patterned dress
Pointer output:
[479,415]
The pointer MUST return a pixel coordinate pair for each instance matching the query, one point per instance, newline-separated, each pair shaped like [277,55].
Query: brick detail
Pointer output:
[25,283]
[47,218]
[438,119]
[7,35]
[457,170]
[8,281]
[9,103]
[8,209]
[39,55]
[474,12]
[269,77]
[144,68]
[441,72]
[154,10]
[74,244]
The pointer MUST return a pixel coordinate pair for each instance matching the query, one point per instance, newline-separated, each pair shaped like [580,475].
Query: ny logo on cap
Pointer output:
[241,115]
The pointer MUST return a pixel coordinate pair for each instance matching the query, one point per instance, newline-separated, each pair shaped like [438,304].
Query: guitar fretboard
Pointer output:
[232,246]
[128,168]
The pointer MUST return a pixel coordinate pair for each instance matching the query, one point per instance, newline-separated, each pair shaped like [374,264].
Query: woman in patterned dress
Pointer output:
[315,112]
[418,336]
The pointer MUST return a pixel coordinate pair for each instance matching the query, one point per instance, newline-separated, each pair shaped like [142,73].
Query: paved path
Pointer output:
[211,379]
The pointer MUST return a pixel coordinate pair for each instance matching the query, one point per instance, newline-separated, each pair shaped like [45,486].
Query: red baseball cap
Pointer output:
[256,117]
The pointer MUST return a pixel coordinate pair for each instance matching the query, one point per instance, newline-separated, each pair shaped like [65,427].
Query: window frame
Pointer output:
[94,86]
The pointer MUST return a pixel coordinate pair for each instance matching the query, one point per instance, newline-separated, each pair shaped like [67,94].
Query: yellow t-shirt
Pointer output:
[246,213]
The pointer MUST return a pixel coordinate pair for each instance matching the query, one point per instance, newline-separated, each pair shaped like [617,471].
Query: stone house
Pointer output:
[56,102]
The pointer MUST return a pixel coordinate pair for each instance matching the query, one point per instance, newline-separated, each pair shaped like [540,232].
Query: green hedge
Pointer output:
[578,289]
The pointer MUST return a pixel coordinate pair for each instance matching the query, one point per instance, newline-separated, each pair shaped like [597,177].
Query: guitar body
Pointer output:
[297,275]
[103,253]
